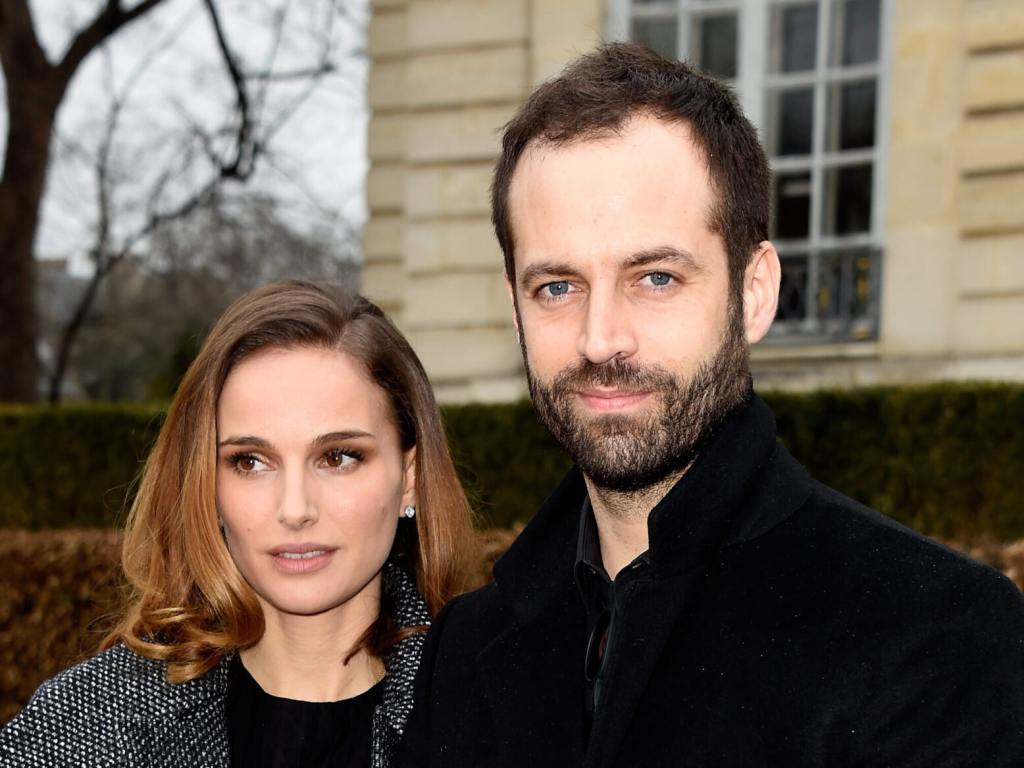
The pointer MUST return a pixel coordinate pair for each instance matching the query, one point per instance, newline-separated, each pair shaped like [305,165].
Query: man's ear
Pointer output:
[515,307]
[761,291]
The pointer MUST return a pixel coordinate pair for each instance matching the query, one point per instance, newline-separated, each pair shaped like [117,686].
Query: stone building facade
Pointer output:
[896,132]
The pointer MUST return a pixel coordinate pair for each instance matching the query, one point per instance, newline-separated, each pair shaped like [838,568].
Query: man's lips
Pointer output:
[606,400]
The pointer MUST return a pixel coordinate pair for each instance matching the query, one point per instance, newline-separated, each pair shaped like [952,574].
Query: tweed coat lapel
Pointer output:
[183,726]
[401,663]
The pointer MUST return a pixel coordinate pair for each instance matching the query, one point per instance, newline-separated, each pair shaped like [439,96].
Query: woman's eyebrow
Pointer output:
[333,437]
[247,440]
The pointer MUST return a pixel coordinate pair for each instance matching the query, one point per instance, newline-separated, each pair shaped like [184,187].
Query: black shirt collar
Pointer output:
[591,577]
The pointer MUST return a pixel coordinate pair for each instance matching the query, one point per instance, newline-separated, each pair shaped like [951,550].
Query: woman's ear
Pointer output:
[409,478]
[761,291]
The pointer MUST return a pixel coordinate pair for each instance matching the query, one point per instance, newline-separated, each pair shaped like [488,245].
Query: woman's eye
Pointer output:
[247,463]
[337,458]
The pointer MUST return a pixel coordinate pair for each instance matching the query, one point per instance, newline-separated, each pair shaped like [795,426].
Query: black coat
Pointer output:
[783,625]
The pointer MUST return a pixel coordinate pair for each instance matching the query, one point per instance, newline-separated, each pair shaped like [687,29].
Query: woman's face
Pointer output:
[311,480]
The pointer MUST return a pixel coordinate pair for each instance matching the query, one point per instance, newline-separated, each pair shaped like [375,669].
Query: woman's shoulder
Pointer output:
[85,707]
[98,684]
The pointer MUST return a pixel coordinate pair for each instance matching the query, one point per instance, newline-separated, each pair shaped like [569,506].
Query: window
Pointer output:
[810,75]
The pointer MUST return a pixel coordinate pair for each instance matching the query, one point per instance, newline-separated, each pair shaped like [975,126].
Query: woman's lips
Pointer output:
[301,558]
[610,400]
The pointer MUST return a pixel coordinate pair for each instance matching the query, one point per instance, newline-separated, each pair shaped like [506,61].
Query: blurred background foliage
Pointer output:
[946,459]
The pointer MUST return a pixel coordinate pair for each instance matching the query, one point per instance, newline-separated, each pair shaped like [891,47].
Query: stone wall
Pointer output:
[952,304]
[447,74]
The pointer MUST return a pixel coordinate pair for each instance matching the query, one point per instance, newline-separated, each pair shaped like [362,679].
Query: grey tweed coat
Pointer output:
[117,708]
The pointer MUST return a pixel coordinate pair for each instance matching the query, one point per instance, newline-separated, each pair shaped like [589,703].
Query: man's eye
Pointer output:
[559,288]
[659,279]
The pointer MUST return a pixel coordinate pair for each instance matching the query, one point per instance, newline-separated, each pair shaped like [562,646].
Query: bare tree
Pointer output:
[151,314]
[35,89]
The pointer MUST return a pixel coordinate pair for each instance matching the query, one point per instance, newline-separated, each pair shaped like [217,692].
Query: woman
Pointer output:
[297,524]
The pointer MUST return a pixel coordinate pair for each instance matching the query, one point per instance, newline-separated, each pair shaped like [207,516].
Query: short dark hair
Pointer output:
[598,93]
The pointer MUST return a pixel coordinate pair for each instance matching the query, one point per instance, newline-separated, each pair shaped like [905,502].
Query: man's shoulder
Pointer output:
[479,613]
[868,556]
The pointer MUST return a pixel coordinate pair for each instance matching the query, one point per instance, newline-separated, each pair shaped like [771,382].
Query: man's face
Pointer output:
[632,346]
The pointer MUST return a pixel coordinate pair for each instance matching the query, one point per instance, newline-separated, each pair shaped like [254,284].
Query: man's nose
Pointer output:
[607,331]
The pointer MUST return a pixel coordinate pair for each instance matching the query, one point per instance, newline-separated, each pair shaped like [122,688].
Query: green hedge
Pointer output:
[947,459]
[71,466]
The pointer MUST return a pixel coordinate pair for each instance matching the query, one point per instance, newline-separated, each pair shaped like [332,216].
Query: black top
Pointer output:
[265,731]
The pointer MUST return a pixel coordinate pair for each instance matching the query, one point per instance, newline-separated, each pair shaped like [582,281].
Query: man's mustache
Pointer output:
[615,374]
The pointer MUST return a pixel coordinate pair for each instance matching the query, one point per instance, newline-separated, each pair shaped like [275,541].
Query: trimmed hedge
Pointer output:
[947,459]
[59,595]
[71,466]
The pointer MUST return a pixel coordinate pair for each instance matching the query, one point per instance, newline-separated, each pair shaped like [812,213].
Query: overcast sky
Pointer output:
[166,70]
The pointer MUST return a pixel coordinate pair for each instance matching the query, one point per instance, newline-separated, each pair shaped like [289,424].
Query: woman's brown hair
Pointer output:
[190,605]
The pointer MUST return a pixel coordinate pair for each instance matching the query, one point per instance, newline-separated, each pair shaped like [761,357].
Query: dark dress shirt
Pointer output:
[602,597]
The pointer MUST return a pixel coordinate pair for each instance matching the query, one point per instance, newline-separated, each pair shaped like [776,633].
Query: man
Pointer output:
[689,595]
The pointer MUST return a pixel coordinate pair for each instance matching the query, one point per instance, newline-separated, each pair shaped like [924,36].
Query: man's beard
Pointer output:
[626,453]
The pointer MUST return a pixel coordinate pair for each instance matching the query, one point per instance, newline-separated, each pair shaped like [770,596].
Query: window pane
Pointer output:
[847,200]
[851,113]
[857,34]
[793,291]
[792,206]
[790,121]
[794,37]
[715,45]
[832,286]
[660,34]
[844,284]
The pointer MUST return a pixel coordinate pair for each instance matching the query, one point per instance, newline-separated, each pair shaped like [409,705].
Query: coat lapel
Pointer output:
[185,726]
[533,669]
[712,506]
[645,627]
[533,679]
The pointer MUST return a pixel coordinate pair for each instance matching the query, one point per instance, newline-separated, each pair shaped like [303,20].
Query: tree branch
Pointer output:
[241,166]
[105,24]
[326,68]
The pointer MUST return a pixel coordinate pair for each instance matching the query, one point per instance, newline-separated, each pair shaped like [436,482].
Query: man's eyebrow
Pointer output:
[662,255]
[543,269]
